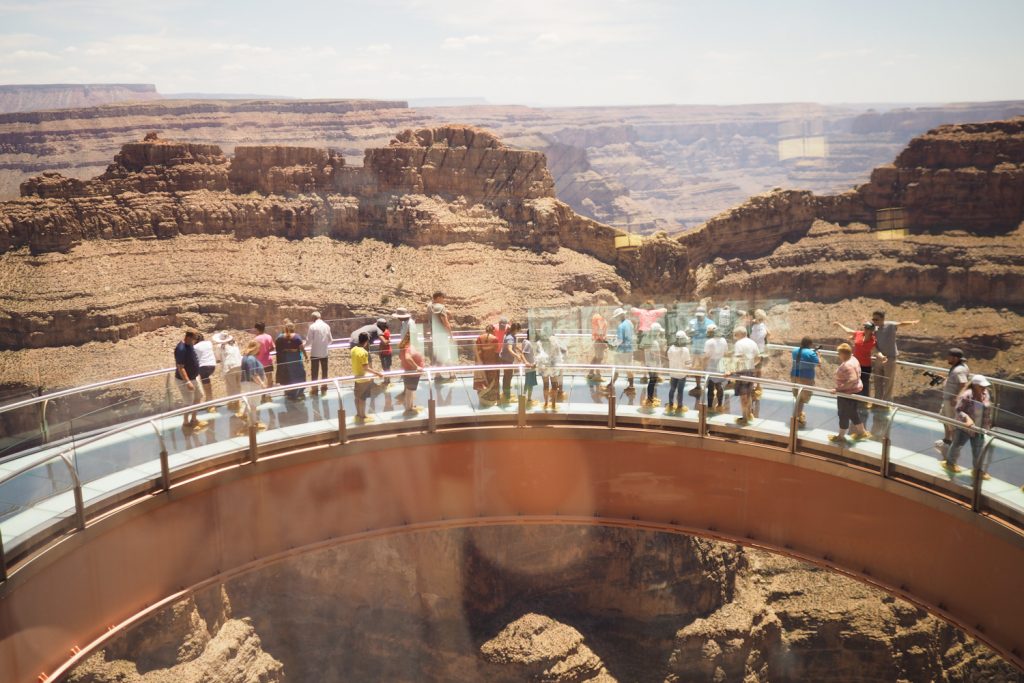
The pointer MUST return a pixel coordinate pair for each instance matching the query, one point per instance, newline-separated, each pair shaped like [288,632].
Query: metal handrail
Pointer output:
[341,342]
[433,370]
[163,479]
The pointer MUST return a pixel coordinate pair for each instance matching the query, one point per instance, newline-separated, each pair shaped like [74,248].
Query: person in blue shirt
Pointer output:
[805,361]
[625,337]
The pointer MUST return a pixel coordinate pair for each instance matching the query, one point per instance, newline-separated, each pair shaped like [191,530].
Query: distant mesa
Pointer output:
[20,98]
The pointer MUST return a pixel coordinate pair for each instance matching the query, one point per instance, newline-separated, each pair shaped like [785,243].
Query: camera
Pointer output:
[934,378]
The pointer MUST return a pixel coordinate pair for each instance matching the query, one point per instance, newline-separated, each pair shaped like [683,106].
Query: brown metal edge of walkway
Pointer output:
[627,477]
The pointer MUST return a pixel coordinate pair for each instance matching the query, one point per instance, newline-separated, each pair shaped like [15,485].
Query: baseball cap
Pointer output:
[959,353]
[981,381]
[618,313]
[680,335]
[382,321]
[869,326]
[656,327]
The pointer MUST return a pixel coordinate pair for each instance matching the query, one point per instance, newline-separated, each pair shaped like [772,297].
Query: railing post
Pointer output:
[431,404]
[253,450]
[611,410]
[79,507]
[979,476]
[165,471]
[342,417]
[793,431]
[3,559]
[44,428]
[521,413]
[702,419]
[886,449]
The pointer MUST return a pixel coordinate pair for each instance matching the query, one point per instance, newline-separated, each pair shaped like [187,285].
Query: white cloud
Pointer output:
[462,42]
[31,56]
[378,49]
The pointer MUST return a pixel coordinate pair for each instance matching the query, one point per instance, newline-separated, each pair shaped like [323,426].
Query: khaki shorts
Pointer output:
[190,396]
[948,408]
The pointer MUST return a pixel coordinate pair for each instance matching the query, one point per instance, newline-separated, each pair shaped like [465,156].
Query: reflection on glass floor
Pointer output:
[120,463]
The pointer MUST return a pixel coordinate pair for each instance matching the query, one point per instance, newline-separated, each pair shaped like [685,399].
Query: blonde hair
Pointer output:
[289,327]
[844,348]
[760,316]
[252,348]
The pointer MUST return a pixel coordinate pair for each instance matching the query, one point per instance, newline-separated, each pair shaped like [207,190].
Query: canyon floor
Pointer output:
[541,603]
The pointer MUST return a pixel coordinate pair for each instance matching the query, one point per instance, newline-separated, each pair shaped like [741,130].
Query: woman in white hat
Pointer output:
[974,410]
[230,356]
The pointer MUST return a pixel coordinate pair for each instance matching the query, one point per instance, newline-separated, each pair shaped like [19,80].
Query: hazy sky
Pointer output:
[552,52]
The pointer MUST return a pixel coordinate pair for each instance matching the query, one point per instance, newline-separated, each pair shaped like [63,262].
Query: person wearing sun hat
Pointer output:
[956,382]
[230,356]
[974,411]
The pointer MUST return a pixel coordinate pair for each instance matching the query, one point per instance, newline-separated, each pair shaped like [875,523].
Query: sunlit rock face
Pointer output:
[553,603]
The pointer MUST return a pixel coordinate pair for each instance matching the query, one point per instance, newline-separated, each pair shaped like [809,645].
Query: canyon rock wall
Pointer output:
[554,603]
[429,186]
[962,191]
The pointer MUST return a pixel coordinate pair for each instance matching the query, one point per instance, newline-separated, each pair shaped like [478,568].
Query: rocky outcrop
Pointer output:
[181,644]
[284,170]
[782,627]
[153,165]
[459,161]
[538,648]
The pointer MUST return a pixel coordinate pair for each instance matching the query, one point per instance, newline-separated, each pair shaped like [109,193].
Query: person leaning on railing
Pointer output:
[848,382]
[974,411]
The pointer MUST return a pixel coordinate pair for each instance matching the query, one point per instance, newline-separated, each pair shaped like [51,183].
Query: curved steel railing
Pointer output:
[886,454]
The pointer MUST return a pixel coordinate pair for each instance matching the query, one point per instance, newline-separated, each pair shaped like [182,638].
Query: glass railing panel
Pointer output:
[916,445]
[1004,464]
[113,405]
[34,499]
[21,429]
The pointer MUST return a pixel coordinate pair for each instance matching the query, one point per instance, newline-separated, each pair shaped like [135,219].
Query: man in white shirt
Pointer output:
[745,354]
[318,341]
[207,365]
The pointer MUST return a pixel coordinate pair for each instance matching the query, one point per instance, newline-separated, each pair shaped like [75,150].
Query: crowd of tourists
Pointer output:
[635,337]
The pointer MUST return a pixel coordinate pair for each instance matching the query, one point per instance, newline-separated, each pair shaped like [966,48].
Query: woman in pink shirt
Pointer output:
[848,382]
[266,345]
